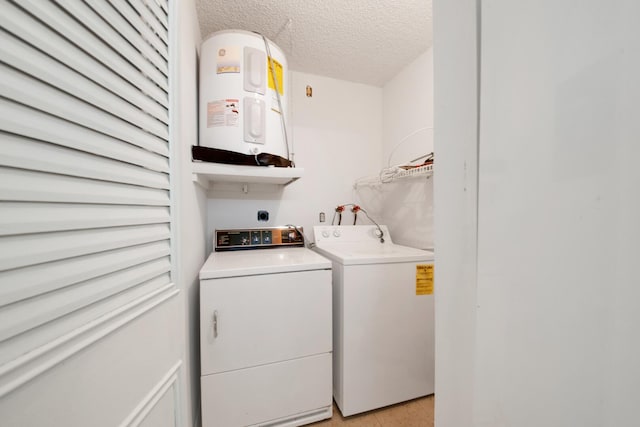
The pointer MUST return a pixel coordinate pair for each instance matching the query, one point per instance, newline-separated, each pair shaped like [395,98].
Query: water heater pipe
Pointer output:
[275,84]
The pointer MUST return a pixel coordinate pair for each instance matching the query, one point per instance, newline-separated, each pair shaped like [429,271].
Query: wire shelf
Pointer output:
[419,171]
[387,176]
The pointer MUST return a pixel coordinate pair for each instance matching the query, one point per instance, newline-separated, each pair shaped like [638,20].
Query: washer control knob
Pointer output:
[325,233]
[336,232]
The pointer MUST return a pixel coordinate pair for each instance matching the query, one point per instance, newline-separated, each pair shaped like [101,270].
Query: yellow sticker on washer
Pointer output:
[424,279]
[278,67]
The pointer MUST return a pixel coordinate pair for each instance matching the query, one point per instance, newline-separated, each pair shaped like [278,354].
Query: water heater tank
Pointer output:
[238,105]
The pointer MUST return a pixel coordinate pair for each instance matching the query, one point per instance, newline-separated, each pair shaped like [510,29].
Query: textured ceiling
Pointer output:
[365,41]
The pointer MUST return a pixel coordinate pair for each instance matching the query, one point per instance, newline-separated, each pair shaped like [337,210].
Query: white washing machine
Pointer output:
[265,330]
[383,317]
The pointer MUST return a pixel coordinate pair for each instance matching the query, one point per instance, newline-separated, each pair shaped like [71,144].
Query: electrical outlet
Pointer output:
[263,216]
[322,217]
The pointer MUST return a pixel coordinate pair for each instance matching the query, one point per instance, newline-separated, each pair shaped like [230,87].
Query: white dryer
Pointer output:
[383,317]
[265,330]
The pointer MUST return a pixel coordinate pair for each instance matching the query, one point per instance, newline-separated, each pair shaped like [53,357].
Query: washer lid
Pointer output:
[373,253]
[262,261]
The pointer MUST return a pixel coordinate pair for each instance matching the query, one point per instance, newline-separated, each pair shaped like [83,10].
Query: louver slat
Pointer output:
[26,218]
[115,41]
[157,11]
[85,206]
[141,26]
[24,153]
[26,27]
[19,119]
[91,45]
[150,19]
[22,316]
[26,186]
[22,283]
[15,346]
[115,19]
[41,66]
[36,94]
[22,251]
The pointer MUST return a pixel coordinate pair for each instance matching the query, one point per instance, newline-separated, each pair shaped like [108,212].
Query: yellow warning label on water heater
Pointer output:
[278,68]
[424,279]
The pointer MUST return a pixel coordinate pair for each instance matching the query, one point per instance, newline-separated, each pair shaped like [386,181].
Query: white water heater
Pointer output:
[239,107]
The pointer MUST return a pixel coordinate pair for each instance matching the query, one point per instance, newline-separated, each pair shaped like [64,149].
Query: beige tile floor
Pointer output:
[414,413]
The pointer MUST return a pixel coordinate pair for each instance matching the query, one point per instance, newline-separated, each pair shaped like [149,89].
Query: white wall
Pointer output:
[558,215]
[552,337]
[190,212]
[406,205]
[455,101]
[407,105]
[337,139]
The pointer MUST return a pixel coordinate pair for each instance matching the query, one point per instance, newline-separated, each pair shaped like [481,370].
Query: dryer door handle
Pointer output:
[214,324]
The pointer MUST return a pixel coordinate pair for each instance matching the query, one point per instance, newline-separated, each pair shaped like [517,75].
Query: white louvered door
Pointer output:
[88,308]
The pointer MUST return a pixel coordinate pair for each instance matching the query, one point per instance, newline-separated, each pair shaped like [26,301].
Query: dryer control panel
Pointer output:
[258,238]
